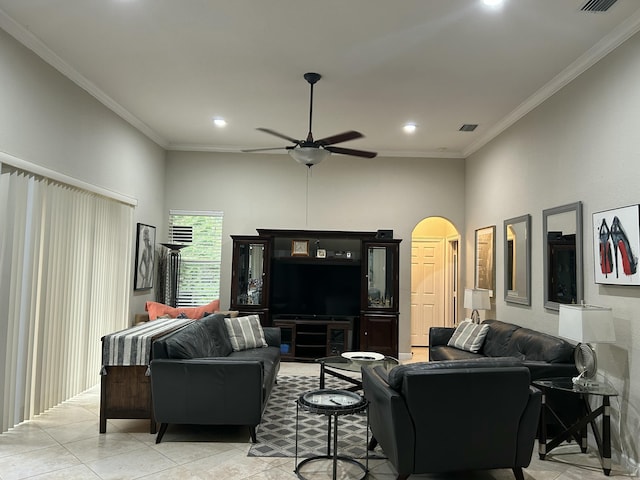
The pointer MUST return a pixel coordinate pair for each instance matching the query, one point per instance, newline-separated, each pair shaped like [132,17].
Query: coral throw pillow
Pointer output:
[156,310]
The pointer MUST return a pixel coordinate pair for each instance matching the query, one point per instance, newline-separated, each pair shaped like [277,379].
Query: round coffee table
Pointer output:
[332,404]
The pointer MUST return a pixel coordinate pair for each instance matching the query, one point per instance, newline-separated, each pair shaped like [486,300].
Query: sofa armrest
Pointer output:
[540,370]
[207,391]
[389,420]
[272,335]
[440,335]
[527,428]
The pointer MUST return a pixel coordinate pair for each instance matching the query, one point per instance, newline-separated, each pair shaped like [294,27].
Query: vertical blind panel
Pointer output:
[65,257]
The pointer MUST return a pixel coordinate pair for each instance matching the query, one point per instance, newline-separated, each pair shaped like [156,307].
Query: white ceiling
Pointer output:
[169,66]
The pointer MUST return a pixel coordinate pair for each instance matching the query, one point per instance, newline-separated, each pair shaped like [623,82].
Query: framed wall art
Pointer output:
[145,257]
[485,258]
[616,246]
[299,248]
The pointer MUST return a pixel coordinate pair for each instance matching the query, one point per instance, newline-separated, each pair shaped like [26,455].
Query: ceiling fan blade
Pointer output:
[351,151]
[277,134]
[340,137]
[263,149]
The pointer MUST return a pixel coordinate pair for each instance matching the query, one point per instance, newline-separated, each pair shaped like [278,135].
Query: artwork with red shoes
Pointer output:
[616,242]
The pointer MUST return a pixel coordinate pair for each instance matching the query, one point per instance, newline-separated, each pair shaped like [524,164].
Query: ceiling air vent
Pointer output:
[597,5]
[468,127]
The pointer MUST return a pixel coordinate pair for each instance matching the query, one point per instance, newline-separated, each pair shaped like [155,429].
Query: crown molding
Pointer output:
[34,44]
[390,153]
[592,56]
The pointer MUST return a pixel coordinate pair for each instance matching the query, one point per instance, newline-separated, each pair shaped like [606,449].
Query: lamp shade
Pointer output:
[477,299]
[586,324]
[309,156]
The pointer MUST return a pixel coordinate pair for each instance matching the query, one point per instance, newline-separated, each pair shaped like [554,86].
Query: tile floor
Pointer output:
[64,443]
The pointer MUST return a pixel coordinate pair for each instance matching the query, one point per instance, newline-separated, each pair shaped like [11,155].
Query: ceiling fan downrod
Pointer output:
[312,78]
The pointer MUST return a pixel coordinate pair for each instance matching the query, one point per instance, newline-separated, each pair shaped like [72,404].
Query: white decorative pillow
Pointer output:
[245,332]
[469,336]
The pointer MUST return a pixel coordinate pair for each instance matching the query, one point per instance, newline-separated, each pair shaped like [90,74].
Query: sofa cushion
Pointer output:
[245,332]
[468,336]
[397,374]
[218,334]
[443,352]
[191,341]
[537,346]
[498,340]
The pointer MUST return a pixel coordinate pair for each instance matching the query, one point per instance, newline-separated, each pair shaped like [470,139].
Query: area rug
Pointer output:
[276,433]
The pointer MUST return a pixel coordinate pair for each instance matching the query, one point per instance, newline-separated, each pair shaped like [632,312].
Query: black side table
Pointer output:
[332,403]
[587,417]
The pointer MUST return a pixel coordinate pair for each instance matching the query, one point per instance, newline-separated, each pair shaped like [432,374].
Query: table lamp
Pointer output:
[476,299]
[586,324]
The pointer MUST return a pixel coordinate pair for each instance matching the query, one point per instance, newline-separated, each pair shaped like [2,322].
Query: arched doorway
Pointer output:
[434,277]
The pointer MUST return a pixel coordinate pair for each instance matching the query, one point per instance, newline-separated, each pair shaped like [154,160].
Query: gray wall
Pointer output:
[344,193]
[580,145]
[48,120]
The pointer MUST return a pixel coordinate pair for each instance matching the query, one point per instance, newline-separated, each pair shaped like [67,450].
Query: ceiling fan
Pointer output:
[309,151]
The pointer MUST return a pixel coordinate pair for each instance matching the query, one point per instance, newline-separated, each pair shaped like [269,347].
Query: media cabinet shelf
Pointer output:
[309,339]
[308,282]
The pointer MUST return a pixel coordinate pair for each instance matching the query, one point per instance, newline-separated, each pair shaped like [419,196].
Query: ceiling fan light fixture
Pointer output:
[409,127]
[309,156]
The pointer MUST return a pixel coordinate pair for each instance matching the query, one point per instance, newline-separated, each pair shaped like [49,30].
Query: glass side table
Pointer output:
[587,417]
[332,366]
[332,403]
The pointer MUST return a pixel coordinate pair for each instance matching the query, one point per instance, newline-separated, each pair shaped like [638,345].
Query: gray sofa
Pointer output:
[197,378]
[544,355]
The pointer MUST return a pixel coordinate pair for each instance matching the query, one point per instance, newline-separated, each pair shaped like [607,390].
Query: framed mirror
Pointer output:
[485,258]
[517,260]
[562,253]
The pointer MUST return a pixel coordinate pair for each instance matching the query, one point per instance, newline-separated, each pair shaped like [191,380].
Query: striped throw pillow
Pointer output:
[245,332]
[469,336]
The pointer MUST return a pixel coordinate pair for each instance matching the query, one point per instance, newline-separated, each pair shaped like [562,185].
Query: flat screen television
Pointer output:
[311,288]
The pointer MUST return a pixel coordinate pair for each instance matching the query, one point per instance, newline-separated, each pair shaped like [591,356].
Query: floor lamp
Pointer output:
[173,271]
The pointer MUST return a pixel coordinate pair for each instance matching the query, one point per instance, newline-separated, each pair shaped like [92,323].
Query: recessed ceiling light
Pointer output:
[492,3]
[219,122]
[409,127]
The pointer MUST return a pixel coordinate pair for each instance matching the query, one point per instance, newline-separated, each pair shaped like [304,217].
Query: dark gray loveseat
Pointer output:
[544,355]
[197,378]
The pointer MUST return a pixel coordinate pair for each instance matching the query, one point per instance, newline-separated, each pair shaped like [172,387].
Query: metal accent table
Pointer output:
[332,365]
[588,416]
[332,404]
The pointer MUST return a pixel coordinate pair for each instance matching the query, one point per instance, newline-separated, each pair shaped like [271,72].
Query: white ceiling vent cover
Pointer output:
[597,5]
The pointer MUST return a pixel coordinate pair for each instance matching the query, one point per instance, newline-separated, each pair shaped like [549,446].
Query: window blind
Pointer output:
[65,261]
[199,279]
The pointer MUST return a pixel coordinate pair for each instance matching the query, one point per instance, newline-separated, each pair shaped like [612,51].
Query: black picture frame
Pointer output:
[145,257]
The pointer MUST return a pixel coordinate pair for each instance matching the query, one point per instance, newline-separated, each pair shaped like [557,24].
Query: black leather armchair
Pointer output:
[453,416]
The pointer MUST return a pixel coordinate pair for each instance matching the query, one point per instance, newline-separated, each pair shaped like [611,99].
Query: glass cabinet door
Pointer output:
[250,273]
[380,277]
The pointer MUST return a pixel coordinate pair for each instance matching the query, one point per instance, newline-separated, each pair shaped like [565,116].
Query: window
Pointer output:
[199,279]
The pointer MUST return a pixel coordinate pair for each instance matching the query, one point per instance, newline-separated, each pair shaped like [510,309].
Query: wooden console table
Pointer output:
[125,386]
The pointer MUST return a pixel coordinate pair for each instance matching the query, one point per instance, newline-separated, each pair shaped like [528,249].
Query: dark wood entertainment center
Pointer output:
[328,291]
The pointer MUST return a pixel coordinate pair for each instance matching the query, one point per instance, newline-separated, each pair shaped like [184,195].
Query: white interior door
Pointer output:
[427,288]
